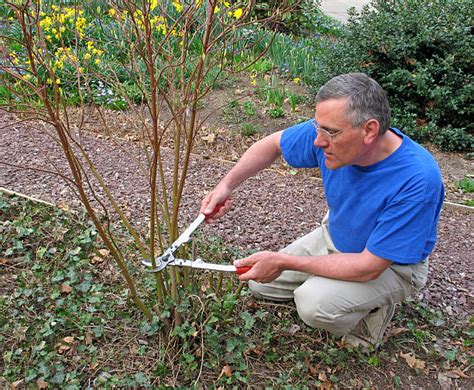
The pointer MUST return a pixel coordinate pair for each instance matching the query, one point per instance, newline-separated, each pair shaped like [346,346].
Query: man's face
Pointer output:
[346,147]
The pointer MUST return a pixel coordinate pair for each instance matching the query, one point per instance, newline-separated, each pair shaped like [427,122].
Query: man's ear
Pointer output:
[371,131]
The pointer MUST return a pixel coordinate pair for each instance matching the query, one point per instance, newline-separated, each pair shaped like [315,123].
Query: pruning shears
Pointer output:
[167,258]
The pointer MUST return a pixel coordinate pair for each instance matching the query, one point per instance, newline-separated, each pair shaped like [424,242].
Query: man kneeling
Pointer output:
[384,193]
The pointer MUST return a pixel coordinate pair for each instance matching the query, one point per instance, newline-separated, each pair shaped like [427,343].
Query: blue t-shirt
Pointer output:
[391,207]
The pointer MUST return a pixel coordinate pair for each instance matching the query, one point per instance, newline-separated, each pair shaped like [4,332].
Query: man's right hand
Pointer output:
[219,195]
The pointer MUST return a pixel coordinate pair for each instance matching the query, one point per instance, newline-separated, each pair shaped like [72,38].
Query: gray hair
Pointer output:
[366,98]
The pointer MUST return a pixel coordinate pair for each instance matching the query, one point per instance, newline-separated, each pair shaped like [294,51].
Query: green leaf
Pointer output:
[40,252]
[451,355]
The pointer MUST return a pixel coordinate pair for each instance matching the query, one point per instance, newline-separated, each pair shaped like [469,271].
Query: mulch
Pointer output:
[270,210]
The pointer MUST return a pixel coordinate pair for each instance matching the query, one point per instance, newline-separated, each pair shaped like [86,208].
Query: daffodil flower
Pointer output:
[238,13]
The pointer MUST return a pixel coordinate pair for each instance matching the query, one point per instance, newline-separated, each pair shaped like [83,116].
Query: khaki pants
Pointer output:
[338,305]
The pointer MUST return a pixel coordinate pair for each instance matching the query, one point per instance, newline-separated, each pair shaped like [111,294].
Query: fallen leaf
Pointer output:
[412,361]
[3,261]
[322,377]
[257,351]
[63,348]
[444,381]
[227,371]
[41,384]
[104,252]
[210,138]
[65,288]
[293,329]
[312,370]
[68,340]
[456,374]
[97,259]
[63,206]
[252,305]
[89,339]
[65,344]
[16,384]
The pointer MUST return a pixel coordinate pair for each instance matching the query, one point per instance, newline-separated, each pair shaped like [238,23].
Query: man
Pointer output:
[384,193]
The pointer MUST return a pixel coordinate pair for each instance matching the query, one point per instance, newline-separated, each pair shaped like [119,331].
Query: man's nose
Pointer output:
[320,141]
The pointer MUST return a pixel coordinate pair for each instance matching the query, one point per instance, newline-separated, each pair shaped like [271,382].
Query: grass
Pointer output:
[466,185]
[66,322]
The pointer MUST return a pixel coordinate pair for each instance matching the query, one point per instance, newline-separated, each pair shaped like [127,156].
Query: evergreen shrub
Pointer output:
[421,52]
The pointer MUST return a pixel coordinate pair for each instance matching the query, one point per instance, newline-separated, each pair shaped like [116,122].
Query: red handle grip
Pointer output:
[242,270]
[216,210]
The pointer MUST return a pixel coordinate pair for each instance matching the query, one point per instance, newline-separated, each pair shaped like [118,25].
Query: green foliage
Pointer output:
[276,112]
[249,108]
[248,129]
[65,321]
[296,20]
[262,65]
[294,100]
[421,53]
[273,93]
[466,185]
[296,56]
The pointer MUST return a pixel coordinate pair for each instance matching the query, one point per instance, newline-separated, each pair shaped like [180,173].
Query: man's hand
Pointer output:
[266,266]
[219,195]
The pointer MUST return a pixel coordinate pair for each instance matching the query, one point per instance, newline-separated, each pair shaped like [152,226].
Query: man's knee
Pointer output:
[317,310]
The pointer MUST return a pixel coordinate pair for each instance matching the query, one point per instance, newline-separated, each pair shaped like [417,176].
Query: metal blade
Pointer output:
[197,264]
[200,264]
[167,257]
[186,235]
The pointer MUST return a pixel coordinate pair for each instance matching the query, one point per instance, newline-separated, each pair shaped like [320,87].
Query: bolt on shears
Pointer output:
[167,258]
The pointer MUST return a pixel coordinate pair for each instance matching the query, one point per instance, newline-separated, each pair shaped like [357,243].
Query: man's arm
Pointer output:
[258,157]
[357,267]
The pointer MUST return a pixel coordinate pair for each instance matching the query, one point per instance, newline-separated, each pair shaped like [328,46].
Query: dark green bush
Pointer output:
[421,52]
[297,20]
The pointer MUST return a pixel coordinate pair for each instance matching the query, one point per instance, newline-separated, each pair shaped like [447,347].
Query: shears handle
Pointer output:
[242,270]
[216,210]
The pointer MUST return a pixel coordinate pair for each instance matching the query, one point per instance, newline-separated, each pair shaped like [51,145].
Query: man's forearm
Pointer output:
[357,267]
[258,157]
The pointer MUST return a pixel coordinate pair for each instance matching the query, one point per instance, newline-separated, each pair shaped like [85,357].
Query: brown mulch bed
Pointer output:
[270,210]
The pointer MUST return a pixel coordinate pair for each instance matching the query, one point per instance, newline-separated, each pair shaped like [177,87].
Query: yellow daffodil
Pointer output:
[296,80]
[112,12]
[238,13]
[177,5]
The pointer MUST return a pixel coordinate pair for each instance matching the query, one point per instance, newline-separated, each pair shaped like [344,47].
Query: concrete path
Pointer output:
[338,8]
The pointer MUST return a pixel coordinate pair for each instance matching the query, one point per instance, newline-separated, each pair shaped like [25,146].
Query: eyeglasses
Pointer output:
[328,134]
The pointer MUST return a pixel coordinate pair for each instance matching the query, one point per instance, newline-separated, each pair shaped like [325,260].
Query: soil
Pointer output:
[270,210]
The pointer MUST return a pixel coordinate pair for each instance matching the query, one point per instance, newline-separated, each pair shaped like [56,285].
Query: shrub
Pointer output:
[421,53]
[466,185]
[248,129]
[296,19]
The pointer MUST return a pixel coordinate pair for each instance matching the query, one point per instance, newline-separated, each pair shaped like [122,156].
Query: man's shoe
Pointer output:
[369,332]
